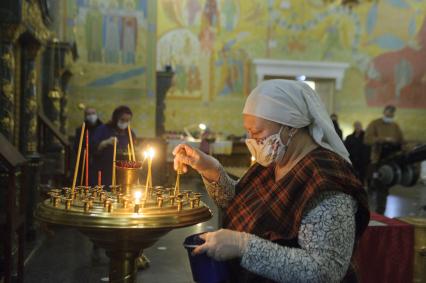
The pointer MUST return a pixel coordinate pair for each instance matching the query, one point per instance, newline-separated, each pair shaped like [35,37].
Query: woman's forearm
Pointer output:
[222,188]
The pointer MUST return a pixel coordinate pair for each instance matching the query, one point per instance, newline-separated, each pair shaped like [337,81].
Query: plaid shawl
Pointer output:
[273,210]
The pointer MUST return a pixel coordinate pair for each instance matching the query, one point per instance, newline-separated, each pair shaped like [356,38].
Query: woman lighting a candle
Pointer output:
[103,140]
[297,213]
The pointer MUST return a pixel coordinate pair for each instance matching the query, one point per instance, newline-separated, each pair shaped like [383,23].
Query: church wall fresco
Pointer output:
[211,44]
[116,43]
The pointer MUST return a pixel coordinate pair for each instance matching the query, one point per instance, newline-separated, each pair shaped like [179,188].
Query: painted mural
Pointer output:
[181,49]
[115,53]
[211,44]
[399,77]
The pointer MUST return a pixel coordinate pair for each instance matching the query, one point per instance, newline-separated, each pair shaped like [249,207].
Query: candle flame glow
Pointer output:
[151,153]
[253,159]
[137,196]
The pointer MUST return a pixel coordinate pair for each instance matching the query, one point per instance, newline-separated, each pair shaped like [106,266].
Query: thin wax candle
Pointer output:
[99,178]
[87,158]
[132,149]
[77,161]
[83,168]
[113,161]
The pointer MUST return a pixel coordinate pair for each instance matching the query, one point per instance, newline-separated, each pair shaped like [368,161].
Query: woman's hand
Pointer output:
[223,244]
[204,164]
[105,143]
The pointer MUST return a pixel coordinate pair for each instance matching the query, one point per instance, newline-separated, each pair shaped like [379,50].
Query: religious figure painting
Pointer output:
[399,77]
[181,50]
[111,29]
[232,72]
[115,45]
[129,39]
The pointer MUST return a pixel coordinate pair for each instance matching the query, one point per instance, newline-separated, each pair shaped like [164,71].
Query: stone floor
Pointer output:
[67,256]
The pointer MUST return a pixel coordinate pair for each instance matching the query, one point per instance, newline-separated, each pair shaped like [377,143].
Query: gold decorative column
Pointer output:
[57,60]
[63,116]
[28,135]
[7,84]
[7,66]
[28,122]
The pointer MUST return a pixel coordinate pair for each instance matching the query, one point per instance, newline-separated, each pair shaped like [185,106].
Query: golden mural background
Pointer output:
[211,44]
[116,65]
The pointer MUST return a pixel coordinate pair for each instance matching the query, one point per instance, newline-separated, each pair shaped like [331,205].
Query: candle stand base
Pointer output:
[111,222]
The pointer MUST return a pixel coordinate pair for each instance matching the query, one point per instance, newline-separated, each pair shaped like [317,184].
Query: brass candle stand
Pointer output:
[128,178]
[125,219]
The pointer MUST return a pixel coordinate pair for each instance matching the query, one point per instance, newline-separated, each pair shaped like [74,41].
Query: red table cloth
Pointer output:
[385,251]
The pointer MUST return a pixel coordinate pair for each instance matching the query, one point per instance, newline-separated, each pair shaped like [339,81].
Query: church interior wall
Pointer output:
[211,45]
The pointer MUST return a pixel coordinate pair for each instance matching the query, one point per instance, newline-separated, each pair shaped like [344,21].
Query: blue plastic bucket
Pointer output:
[205,269]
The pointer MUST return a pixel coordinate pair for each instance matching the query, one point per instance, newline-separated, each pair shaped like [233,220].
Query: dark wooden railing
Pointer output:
[46,127]
[13,207]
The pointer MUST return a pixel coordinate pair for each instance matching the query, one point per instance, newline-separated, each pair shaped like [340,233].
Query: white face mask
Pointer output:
[122,125]
[92,118]
[269,149]
[387,119]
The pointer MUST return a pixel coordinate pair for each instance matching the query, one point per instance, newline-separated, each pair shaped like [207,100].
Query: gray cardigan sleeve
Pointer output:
[223,190]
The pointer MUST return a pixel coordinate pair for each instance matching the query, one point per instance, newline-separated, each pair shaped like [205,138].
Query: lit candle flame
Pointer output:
[253,160]
[151,152]
[137,196]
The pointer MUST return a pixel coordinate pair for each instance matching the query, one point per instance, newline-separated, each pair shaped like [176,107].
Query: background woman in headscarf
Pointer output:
[103,140]
[294,216]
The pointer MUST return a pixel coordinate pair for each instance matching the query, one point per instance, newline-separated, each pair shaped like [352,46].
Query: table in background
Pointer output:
[385,251]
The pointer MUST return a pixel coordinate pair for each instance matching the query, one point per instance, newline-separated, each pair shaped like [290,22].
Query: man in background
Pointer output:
[92,123]
[358,151]
[385,138]
[333,118]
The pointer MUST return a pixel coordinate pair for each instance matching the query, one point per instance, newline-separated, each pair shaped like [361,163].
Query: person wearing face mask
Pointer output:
[385,138]
[297,213]
[103,140]
[384,135]
[92,123]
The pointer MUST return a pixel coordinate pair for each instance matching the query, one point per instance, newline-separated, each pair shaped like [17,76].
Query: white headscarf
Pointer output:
[295,104]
